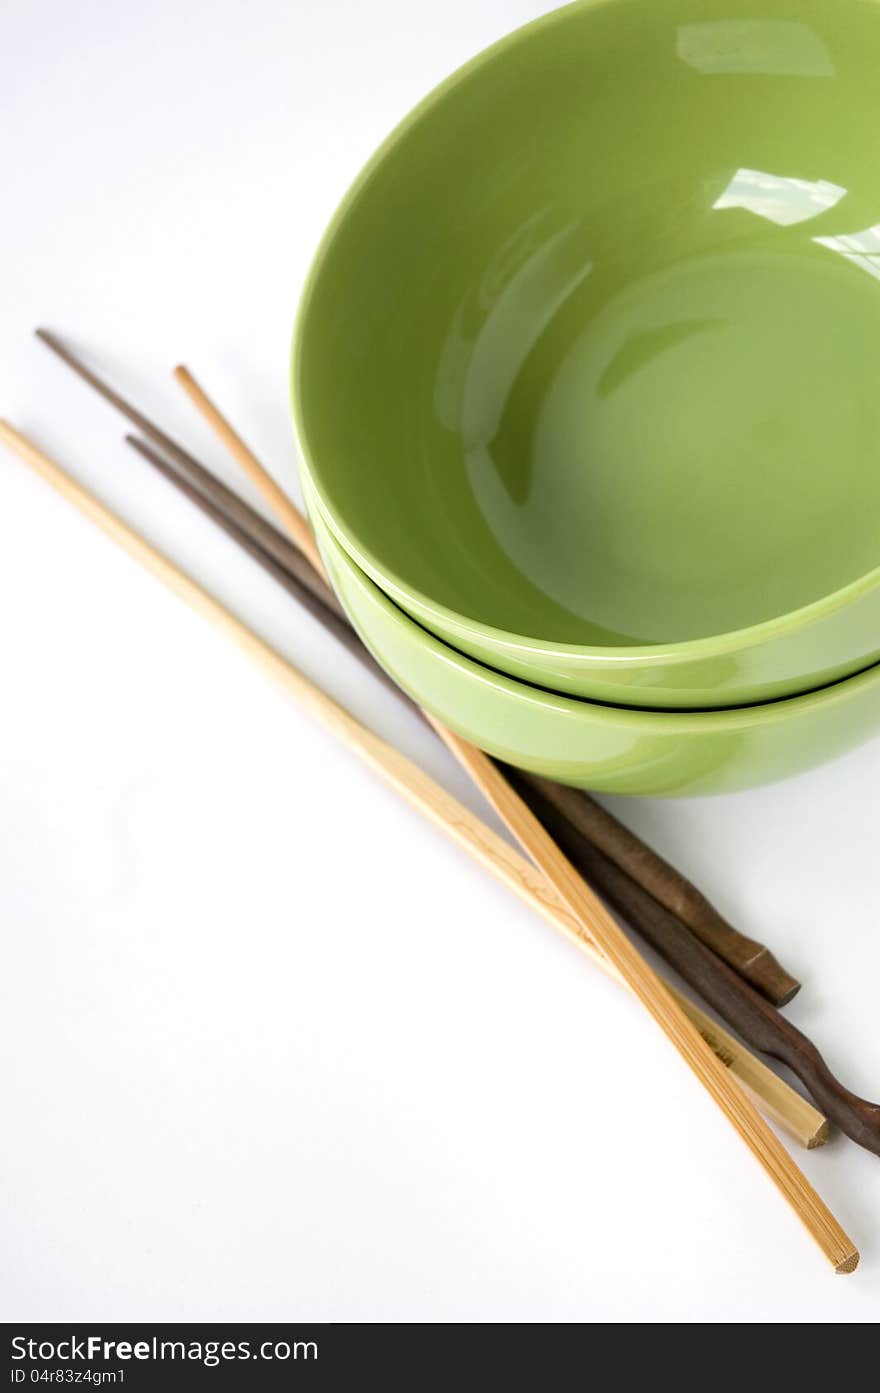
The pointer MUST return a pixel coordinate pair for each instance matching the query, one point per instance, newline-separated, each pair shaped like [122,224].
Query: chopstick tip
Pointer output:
[51,341]
[820,1136]
[848,1264]
[771,978]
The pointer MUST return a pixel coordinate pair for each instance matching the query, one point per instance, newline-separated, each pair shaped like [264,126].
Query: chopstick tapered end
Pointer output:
[56,346]
[820,1136]
[771,978]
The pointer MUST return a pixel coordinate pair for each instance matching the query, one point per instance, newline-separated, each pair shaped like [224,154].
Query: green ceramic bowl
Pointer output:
[604,748]
[586,370]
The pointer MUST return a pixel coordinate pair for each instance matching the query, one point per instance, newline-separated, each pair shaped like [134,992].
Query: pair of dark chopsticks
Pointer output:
[654,898]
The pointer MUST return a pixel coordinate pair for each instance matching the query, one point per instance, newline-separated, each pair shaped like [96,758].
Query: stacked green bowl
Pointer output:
[585,389]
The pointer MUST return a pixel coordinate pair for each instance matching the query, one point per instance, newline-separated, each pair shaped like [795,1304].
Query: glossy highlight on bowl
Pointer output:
[585,370]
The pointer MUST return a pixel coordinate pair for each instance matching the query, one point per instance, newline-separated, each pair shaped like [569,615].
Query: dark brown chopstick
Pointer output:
[316,605]
[340,627]
[273,542]
[671,889]
[757,1021]
[760,1024]
[750,959]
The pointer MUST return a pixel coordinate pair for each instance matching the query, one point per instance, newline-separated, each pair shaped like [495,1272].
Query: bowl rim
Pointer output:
[705,721]
[410,597]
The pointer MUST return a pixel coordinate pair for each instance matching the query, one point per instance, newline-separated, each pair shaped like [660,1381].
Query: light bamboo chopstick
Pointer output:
[286,511]
[590,913]
[781,1102]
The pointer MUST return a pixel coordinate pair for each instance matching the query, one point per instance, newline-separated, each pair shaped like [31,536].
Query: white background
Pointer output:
[272,1049]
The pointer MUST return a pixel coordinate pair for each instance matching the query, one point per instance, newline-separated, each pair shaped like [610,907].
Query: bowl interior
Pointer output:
[590,351]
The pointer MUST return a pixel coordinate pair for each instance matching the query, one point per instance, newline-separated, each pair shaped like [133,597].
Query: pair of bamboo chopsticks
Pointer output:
[458,822]
[584,908]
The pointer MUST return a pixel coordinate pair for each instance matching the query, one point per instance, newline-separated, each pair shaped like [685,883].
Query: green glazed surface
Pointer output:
[586,373]
[607,749]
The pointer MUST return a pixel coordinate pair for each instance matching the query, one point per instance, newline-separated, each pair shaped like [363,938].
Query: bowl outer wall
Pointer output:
[605,749]
[841,640]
